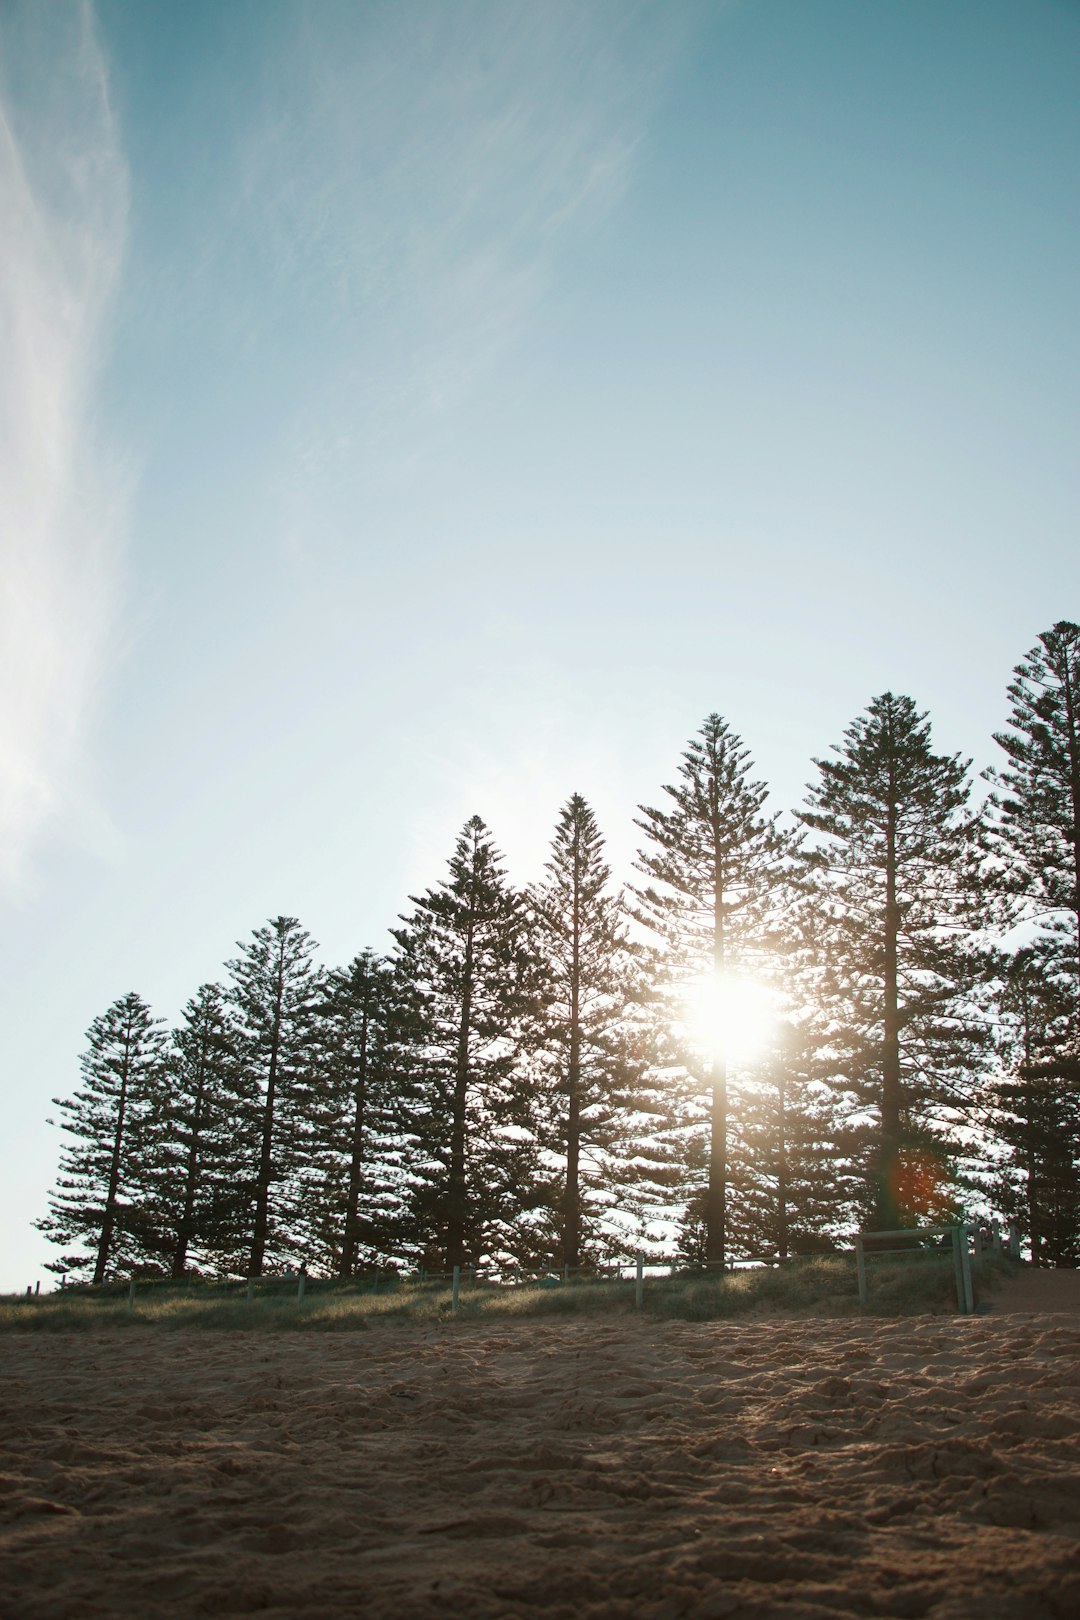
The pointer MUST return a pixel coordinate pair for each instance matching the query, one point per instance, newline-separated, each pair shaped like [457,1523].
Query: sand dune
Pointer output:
[630,1470]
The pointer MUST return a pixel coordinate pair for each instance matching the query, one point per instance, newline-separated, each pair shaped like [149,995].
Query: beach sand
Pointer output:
[626,1469]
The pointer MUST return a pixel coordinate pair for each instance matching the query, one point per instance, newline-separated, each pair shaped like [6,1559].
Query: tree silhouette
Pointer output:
[714,862]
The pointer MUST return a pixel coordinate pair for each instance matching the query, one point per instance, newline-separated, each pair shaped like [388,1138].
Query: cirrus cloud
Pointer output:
[63,197]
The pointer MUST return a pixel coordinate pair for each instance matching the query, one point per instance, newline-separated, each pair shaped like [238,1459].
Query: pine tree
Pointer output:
[1036,1109]
[465,956]
[587,967]
[359,1117]
[714,863]
[200,1181]
[100,1182]
[1036,806]
[274,985]
[889,896]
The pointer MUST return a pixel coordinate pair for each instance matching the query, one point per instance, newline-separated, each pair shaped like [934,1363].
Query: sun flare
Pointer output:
[731,1016]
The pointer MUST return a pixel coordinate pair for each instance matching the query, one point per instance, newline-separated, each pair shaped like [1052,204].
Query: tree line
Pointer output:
[520,1080]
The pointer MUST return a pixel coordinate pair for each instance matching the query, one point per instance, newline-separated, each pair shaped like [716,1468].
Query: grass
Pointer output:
[825,1287]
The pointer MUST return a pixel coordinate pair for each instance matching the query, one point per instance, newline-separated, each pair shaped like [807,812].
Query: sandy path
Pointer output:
[1040,1291]
[631,1471]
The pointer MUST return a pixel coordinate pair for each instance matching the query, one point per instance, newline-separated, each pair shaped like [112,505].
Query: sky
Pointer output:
[412,410]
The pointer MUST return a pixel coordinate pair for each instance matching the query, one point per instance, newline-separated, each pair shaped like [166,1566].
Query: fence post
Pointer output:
[455,1288]
[1014,1241]
[965,1273]
[639,1283]
[300,1288]
[958,1276]
[131,1294]
[250,1290]
[860,1267]
[566,1273]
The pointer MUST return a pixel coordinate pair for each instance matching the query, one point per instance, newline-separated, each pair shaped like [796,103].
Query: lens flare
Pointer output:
[921,1186]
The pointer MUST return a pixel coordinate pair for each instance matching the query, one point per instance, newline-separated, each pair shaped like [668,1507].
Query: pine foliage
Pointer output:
[713,864]
[352,1213]
[792,1153]
[272,993]
[465,953]
[1036,1109]
[889,971]
[98,1200]
[524,1083]
[589,1040]
[199,1178]
[1036,805]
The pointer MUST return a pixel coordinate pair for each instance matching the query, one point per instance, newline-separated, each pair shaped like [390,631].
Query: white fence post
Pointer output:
[300,1288]
[860,1267]
[455,1287]
[639,1283]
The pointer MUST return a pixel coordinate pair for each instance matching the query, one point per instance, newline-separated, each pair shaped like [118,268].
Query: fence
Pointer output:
[903,1244]
[911,1242]
[300,1285]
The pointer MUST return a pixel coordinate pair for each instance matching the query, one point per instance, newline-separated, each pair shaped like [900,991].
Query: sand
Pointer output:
[643,1470]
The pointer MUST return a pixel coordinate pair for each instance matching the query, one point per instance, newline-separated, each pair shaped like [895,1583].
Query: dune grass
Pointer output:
[825,1286]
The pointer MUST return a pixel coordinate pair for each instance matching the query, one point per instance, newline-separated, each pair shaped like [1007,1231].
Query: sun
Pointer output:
[730,1016]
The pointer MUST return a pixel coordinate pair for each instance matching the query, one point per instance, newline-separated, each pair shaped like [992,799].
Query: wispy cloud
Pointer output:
[413,178]
[63,200]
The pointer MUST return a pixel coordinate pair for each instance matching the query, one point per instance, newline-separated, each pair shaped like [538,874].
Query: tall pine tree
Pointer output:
[1036,1109]
[714,864]
[274,985]
[97,1202]
[889,896]
[1035,806]
[587,968]
[358,1118]
[200,1187]
[464,954]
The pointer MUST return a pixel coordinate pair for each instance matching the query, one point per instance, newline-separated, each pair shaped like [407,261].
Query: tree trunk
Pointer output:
[108,1222]
[1073,722]
[782,1168]
[716,1197]
[1033,1190]
[456,1201]
[356,1161]
[183,1236]
[572,1223]
[889,1211]
[262,1204]
[572,1227]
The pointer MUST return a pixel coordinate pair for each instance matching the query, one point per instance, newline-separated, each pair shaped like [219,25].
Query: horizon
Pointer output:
[409,414]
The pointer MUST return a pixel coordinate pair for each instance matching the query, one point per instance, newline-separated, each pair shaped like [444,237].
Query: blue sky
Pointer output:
[410,410]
